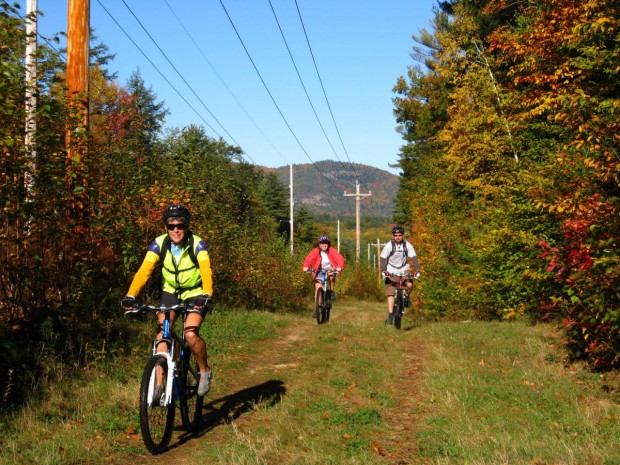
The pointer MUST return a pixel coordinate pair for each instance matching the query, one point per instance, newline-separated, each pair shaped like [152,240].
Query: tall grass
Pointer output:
[499,393]
[353,391]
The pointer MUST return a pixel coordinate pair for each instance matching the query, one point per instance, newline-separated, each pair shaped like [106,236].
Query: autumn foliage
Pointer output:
[62,274]
[526,146]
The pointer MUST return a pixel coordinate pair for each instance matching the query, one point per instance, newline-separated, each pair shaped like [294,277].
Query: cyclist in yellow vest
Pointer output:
[186,277]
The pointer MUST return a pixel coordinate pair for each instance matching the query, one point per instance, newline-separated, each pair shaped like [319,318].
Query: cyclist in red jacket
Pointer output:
[323,259]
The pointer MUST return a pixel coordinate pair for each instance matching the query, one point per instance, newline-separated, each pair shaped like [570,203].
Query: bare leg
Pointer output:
[196,343]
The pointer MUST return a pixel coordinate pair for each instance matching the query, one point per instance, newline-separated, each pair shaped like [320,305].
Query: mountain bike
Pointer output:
[169,377]
[323,299]
[399,297]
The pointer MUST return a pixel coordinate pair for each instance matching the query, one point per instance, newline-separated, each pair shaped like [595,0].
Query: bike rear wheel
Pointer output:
[156,420]
[320,306]
[191,402]
[398,309]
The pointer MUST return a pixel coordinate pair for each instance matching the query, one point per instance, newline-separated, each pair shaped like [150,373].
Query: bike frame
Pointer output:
[173,342]
[324,281]
[399,303]
[169,338]
[326,301]
[180,380]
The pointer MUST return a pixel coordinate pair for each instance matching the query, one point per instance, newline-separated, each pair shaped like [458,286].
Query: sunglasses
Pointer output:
[398,235]
[179,226]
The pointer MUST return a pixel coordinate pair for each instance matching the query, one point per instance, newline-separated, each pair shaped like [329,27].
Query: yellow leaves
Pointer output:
[603,20]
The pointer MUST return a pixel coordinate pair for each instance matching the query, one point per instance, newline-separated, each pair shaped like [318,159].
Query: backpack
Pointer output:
[404,250]
[165,247]
[154,284]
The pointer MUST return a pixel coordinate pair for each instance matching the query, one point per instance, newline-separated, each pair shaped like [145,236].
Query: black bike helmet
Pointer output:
[177,211]
[398,229]
[324,239]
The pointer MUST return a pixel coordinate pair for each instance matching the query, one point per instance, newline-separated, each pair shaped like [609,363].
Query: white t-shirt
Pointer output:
[397,263]
[325,263]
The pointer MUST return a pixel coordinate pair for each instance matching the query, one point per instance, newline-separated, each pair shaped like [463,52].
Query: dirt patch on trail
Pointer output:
[398,444]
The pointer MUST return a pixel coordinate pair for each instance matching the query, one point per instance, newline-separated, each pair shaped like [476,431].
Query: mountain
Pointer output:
[323,194]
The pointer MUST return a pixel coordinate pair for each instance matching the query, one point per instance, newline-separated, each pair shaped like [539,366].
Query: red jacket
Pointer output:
[313,259]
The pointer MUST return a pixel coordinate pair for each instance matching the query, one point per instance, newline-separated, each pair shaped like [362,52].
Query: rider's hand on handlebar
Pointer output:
[386,273]
[416,275]
[128,302]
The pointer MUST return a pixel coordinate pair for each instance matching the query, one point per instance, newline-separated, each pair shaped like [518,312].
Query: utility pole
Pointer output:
[379,245]
[291,212]
[358,198]
[78,38]
[31,83]
[338,235]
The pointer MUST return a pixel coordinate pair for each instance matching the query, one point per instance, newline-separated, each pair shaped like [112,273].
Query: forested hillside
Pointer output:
[323,195]
[511,167]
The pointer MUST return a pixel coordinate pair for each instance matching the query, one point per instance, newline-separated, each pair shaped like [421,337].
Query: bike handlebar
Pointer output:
[406,276]
[139,309]
[312,270]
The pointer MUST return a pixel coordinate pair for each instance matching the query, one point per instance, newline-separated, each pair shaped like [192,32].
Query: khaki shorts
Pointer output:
[390,285]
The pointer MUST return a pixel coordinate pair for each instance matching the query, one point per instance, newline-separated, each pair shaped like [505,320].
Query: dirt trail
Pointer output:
[256,381]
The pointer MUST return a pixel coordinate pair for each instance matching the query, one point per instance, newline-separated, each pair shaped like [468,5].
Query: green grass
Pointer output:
[352,391]
[498,393]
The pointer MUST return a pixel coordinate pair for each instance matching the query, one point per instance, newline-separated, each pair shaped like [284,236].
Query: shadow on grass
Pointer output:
[228,408]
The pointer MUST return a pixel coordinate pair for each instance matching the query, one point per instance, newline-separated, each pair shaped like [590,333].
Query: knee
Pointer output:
[192,336]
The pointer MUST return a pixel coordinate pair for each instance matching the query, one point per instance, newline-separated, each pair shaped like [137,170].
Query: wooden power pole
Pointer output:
[78,38]
[358,198]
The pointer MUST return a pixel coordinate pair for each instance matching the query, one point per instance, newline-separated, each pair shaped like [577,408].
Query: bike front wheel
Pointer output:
[191,402]
[156,418]
[327,307]
[398,309]
[320,307]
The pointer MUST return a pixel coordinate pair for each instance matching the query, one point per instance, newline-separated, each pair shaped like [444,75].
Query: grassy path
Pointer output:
[353,391]
[312,394]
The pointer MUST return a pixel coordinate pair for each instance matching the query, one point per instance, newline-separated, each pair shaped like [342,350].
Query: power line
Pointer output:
[180,75]
[157,69]
[302,82]
[322,87]
[271,96]
[223,82]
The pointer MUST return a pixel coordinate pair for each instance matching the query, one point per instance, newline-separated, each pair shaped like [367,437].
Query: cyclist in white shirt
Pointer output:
[395,257]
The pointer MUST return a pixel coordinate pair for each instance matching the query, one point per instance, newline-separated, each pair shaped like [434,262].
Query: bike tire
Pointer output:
[320,304]
[156,421]
[398,309]
[191,403]
[327,307]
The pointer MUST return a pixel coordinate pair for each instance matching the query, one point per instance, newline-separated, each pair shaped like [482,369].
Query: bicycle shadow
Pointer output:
[228,408]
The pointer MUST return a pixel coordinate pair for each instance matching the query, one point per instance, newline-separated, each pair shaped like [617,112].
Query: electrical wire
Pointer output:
[272,98]
[323,87]
[157,69]
[181,76]
[301,81]
[224,83]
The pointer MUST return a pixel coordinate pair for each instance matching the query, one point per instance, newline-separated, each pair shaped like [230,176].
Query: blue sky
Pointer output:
[360,47]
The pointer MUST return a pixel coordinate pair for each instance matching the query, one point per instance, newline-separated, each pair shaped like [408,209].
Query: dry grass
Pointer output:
[287,391]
